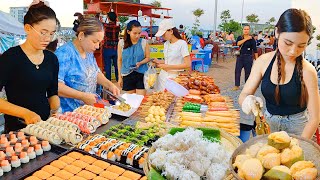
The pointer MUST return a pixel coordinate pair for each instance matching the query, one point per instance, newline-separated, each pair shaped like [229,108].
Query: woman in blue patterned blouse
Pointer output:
[79,73]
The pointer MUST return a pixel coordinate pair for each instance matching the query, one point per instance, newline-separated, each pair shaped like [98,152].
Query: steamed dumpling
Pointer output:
[306,174]
[271,160]
[266,149]
[254,149]
[251,169]
[290,156]
[300,165]
[240,159]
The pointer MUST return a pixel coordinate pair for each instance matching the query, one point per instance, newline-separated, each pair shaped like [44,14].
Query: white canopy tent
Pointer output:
[11,31]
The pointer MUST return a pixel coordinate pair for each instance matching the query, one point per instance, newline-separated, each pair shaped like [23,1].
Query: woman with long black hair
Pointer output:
[288,82]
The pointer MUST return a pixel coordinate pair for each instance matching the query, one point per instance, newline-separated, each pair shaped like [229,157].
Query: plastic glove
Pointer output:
[249,105]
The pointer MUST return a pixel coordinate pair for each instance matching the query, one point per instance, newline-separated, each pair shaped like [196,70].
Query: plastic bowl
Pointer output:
[176,88]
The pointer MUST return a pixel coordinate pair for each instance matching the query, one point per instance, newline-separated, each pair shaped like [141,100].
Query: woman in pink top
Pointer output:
[230,36]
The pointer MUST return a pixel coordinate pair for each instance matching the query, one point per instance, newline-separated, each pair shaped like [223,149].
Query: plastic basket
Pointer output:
[198,67]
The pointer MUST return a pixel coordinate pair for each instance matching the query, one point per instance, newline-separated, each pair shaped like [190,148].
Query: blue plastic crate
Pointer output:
[198,67]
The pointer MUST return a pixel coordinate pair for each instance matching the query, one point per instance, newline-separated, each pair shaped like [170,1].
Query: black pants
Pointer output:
[243,61]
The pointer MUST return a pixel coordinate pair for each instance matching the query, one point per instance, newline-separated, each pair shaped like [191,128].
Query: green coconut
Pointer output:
[278,173]
[279,140]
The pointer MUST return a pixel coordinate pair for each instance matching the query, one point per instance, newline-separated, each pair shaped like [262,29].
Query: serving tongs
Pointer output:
[262,127]
[117,98]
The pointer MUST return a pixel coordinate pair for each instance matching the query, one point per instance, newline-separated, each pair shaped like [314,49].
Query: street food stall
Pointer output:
[126,9]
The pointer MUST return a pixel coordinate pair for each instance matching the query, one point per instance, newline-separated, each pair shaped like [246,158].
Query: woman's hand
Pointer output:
[163,66]
[157,61]
[31,117]
[120,82]
[114,89]
[138,64]
[89,98]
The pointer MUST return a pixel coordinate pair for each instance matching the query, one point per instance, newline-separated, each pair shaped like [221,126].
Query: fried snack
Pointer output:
[88,159]
[77,178]
[101,164]
[80,164]
[42,174]
[75,155]
[94,169]
[122,178]
[50,169]
[54,178]
[109,175]
[58,164]
[32,178]
[99,178]
[131,175]
[63,174]
[72,169]
[86,174]
[115,169]
[67,159]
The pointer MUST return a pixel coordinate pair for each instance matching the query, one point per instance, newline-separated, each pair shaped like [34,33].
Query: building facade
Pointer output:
[18,13]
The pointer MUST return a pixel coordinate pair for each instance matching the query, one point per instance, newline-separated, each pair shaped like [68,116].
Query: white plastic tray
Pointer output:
[133,100]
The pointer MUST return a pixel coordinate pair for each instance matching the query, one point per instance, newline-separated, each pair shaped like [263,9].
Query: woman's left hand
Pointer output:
[138,65]
[114,90]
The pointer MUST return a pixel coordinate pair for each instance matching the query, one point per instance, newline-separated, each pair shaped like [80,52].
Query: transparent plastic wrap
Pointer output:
[150,78]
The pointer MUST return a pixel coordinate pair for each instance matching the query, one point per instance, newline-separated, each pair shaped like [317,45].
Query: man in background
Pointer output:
[110,45]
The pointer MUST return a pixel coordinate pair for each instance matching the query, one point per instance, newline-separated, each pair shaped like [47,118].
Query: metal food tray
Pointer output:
[126,167]
[39,161]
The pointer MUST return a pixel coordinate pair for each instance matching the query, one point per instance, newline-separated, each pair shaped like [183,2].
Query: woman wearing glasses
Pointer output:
[29,73]
[79,73]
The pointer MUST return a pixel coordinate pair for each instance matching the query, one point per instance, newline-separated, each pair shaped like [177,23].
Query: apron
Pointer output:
[162,78]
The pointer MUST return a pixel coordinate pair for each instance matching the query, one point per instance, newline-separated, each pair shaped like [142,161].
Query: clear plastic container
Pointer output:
[176,88]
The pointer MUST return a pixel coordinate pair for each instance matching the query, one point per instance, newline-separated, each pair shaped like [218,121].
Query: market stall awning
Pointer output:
[124,8]
[9,25]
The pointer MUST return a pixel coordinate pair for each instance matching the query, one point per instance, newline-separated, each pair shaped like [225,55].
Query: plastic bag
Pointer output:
[150,78]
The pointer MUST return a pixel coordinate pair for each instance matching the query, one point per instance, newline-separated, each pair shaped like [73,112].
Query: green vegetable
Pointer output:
[212,135]
[154,175]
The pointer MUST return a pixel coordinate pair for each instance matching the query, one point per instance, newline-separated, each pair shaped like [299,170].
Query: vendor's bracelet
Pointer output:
[55,111]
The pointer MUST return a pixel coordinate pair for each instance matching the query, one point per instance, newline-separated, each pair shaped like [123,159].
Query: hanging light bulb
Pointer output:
[111,10]
[139,13]
[161,16]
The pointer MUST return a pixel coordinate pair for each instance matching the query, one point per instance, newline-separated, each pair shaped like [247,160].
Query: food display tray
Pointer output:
[39,161]
[126,167]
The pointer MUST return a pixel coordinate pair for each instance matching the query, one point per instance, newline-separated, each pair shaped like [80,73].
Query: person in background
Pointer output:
[230,38]
[201,41]
[133,56]
[266,40]
[110,45]
[79,73]
[271,40]
[255,37]
[260,36]
[29,73]
[176,53]
[245,59]
[288,81]
[182,33]
[76,22]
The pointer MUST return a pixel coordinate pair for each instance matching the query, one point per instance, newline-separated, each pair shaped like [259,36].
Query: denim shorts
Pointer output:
[292,124]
